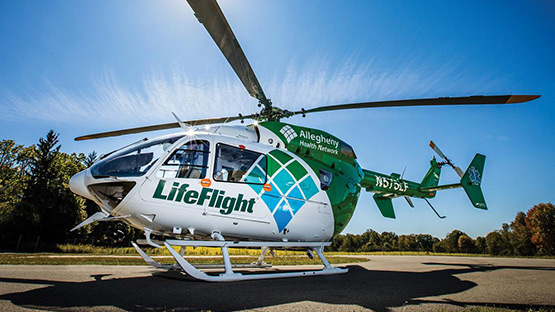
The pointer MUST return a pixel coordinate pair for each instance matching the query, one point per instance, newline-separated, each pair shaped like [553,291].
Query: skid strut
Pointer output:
[229,275]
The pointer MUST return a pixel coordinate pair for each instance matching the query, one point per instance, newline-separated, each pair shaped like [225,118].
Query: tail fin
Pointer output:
[472,179]
[431,178]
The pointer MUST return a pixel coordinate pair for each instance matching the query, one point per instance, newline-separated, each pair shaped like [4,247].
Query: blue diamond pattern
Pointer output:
[284,180]
[256,187]
[271,198]
[293,203]
[282,183]
[282,215]
[308,187]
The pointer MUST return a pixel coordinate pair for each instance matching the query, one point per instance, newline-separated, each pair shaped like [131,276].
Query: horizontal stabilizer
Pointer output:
[385,205]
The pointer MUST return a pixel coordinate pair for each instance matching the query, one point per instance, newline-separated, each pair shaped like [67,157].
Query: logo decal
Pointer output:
[215,198]
[291,186]
[288,133]
[474,176]
[319,138]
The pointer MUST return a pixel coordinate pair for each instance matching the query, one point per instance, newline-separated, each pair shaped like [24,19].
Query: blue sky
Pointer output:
[89,66]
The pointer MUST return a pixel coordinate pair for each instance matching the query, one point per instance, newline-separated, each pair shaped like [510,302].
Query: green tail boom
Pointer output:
[388,187]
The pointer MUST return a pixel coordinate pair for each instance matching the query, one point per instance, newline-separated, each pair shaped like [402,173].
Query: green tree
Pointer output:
[15,170]
[10,190]
[439,246]
[351,243]
[407,242]
[451,241]
[48,208]
[521,236]
[426,242]
[495,244]
[506,236]
[91,158]
[481,246]
[465,244]
[69,207]
[540,220]
[389,241]
[337,242]
[348,244]
[371,241]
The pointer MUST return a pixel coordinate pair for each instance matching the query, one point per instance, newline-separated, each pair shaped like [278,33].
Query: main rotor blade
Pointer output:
[210,15]
[468,100]
[170,125]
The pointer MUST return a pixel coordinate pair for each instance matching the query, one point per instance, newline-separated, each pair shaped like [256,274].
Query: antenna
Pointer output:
[184,126]
[220,125]
[402,174]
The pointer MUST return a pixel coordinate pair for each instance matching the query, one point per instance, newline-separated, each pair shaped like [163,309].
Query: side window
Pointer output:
[190,161]
[236,164]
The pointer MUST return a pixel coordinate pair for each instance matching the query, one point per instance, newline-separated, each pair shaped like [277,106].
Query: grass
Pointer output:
[190,251]
[211,251]
[58,259]
[408,253]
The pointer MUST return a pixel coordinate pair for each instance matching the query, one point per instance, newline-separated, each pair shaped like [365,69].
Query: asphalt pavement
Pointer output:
[385,283]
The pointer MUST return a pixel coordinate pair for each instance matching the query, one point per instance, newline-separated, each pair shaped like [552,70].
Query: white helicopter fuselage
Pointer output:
[205,181]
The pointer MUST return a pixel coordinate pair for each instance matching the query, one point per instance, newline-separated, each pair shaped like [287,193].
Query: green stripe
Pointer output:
[297,170]
[281,156]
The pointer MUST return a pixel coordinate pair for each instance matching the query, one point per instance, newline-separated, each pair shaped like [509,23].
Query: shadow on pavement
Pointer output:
[376,290]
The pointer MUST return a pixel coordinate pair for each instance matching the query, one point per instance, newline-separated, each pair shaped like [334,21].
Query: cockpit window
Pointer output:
[190,161]
[236,164]
[133,161]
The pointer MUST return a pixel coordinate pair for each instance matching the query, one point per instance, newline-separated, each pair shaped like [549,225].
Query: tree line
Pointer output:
[529,234]
[37,210]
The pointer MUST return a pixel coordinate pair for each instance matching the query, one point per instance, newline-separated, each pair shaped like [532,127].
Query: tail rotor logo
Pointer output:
[474,176]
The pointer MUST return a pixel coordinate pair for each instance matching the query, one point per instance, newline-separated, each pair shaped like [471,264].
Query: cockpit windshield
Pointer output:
[133,161]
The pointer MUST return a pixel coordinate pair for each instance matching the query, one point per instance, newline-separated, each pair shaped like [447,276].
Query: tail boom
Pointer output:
[388,187]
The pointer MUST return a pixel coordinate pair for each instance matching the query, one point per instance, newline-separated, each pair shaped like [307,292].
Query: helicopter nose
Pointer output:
[78,186]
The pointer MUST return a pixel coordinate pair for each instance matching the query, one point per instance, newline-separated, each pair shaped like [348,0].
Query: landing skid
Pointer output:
[229,275]
[256,265]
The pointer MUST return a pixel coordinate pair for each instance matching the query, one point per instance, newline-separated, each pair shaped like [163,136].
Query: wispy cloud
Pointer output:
[318,82]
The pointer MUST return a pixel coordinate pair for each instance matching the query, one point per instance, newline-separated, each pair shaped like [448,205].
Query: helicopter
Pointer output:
[268,184]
